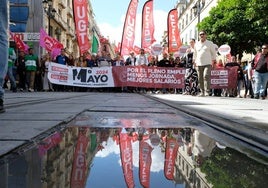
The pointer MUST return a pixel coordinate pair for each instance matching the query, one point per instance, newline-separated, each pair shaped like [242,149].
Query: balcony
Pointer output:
[60,21]
[62,3]
[69,12]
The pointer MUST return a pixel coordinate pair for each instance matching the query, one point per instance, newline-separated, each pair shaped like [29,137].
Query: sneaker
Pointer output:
[206,94]
[30,90]
[263,97]
[256,97]
[201,95]
[2,109]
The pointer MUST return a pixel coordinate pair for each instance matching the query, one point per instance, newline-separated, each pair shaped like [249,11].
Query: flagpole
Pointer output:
[142,22]
[168,28]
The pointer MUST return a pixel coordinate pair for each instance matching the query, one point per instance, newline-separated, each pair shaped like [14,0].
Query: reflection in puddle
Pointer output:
[130,157]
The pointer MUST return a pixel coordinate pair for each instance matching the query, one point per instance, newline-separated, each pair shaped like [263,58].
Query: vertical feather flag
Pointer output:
[81,24]
[147,31]
[174,39]
[145,161]
[128,35]
[126,154]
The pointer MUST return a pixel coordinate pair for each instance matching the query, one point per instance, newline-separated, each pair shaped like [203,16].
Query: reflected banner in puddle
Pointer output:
[130,157]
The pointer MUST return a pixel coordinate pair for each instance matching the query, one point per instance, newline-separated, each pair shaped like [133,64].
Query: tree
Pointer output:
[255,12]
[232,169]
[227,23]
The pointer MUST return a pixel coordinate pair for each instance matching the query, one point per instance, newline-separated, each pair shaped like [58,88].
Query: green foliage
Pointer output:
[232,22]
[229,168]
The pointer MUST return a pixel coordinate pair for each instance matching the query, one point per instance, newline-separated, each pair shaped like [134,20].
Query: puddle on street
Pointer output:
[115,157]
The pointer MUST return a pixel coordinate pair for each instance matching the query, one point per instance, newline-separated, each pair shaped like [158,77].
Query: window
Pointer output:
[68,43]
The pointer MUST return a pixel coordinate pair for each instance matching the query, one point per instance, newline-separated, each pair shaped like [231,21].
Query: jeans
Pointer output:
[3,44]
[261,80]
[11,78]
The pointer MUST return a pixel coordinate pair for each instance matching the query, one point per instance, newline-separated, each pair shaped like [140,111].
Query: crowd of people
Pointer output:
[28,72]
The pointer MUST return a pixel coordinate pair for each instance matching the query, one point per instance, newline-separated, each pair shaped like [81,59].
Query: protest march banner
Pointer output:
[133,76]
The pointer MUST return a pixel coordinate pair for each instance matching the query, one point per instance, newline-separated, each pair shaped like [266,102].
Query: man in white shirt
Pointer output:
[142,59]
[204,58]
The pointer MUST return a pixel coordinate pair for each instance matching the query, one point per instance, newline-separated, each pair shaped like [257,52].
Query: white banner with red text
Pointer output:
[134,76]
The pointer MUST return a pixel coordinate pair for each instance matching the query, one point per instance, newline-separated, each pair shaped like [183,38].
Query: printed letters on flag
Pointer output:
[128,36]
[126,158]
[78,177]
[145,161]
[147,33]
[81,24]
[19,43]
[174,40]
[49,43]
[170,157]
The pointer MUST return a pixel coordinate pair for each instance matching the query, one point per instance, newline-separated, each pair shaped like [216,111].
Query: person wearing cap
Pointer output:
[204,58]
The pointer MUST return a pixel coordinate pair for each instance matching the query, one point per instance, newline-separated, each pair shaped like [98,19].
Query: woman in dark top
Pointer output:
[191,78]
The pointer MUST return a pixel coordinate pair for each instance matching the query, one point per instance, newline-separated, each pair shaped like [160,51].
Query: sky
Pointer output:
[110,17]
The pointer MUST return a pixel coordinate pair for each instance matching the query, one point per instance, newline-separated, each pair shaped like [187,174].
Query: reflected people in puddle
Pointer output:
[130,157]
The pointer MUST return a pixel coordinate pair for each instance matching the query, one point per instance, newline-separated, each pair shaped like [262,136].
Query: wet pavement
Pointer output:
[121,140]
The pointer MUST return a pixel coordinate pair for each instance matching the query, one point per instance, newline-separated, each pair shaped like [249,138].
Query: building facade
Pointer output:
[56,17]
[190,13]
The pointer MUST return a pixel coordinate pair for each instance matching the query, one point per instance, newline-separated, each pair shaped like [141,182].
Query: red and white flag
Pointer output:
[174,39]
[128,35]
[170,157]
[19,43]
[126,157]
[145,161]
[81,24]
[79,169]
[147,30]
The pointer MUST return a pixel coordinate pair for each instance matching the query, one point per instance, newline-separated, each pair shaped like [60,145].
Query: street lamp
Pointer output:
[50,12]
[197,11]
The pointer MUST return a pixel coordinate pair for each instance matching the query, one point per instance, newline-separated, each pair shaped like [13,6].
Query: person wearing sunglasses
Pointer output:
[204,57]
[260,66]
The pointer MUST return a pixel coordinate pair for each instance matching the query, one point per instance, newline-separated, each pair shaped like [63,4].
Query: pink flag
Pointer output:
[49,43]
[147,31]
[128,36]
